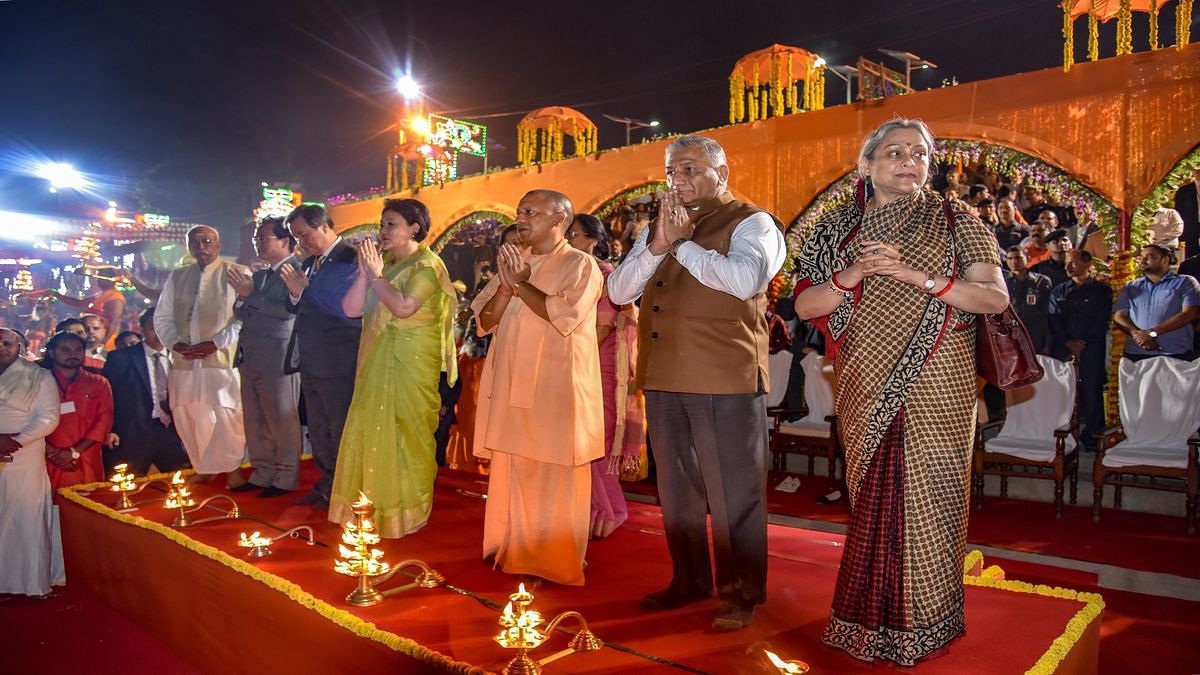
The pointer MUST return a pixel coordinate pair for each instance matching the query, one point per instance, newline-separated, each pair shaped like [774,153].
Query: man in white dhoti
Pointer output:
[28,413]
[195,316]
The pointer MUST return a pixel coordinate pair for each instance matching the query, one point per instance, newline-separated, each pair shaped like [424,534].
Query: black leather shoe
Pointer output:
[732,617]
[670,599]
[272,491]
[246,487]
[311,499]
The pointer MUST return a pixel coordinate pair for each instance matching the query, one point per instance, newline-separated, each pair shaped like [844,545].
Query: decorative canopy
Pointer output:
[1100,11]
[540,134]
[764,83]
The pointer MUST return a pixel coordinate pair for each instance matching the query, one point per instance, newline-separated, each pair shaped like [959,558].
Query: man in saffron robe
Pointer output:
[541,411]
[195,317]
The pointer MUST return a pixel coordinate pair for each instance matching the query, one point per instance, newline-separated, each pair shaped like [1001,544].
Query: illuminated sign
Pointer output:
[156,219]
[276,202]
[458,136]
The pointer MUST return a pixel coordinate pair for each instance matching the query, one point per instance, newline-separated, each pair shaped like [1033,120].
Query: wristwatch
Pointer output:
[677,243]
[928,284]
[1153,333]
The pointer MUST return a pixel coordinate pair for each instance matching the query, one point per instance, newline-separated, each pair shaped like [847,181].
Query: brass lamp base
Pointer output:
[522,665]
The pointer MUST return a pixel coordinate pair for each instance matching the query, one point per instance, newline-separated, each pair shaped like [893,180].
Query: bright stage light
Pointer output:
[819,63]
[653,123]
[62,176]
[408,87]
[420,125]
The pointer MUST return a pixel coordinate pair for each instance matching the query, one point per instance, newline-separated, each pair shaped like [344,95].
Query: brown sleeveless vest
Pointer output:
[694,339]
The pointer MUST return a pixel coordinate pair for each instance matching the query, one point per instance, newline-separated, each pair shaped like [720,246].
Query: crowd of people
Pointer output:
[569,363]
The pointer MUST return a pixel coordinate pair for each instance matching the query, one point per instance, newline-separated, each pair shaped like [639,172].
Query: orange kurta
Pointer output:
[540,420]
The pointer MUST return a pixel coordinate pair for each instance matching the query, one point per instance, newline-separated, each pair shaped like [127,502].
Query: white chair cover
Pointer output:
[819,382]
[1160,410]
[1035,412]
[779,370]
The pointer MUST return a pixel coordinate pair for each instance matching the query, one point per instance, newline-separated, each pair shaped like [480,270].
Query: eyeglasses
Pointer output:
[265,237]
[204,241]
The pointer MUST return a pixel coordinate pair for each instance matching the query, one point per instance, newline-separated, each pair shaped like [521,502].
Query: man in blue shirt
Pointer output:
[1156,310]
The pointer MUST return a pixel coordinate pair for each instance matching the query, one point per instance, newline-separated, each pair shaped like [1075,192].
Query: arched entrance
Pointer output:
[468,246]
[1058,184]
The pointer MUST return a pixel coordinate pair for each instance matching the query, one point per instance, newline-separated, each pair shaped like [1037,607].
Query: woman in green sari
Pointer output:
[387,449]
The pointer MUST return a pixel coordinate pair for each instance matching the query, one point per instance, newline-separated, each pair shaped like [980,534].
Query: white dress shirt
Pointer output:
[756,253]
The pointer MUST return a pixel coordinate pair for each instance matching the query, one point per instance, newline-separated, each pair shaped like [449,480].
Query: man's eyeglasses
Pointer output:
[204,241]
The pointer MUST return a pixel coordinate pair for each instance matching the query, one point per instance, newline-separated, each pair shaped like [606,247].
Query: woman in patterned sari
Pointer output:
[895,285]
[408,304]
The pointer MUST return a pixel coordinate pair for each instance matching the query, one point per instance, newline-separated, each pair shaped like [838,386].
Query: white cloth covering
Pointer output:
[1159,412]
[779,370]
[819,383]
[26,515]
[1035,412]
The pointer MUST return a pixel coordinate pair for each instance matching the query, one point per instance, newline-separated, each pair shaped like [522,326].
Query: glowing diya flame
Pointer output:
[787,667]
[177,479]
[362,501]
[253,541]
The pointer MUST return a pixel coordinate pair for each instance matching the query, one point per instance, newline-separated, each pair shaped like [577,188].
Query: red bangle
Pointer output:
[833,280]
[946,289]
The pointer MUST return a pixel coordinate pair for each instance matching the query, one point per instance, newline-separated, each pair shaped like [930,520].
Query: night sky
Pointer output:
[184,107]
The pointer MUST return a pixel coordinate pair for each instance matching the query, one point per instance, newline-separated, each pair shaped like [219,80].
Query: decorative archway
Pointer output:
[484,222]
[1090,206]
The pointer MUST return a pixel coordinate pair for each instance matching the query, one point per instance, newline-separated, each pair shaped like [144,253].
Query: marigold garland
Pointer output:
[1183,23]
[1076,626]
[1093,34]
[1153,24]
[293,591]
[1125,28]
[1068,31]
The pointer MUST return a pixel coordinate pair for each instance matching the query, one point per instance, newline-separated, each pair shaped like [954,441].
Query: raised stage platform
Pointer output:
[198,593]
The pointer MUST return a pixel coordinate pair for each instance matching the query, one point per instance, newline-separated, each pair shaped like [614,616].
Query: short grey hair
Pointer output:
[716,154]
[875,139]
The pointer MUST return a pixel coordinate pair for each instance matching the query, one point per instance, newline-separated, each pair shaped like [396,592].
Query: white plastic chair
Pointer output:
[815,433]
[1037,439]
[1155,446]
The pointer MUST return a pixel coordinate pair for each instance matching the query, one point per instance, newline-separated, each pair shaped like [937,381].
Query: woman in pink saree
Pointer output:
[624,411]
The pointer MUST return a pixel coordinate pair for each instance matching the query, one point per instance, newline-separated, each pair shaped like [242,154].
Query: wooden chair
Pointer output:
[1156,445]
[815,434]
[1038,439]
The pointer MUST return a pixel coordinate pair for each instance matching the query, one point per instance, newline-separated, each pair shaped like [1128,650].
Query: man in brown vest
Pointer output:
[702,270]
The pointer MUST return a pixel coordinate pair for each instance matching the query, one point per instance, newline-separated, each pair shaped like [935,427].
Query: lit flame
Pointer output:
[788,667]
[362,500]
[177,479]
[122,481]
[254,540]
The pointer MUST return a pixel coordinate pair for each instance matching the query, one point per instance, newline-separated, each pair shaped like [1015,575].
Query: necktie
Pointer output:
[316,266]
[160,389]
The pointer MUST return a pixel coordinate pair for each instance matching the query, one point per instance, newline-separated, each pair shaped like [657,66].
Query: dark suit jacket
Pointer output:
[324,341]
[266,322]
[133,400]
[1187,205]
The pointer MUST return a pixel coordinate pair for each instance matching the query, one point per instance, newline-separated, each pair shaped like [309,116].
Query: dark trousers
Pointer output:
[152,444]
[1093,375]
[711,451]
[326,402]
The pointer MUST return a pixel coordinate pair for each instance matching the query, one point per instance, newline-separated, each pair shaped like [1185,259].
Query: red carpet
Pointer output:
[1006,631]
[1140,541]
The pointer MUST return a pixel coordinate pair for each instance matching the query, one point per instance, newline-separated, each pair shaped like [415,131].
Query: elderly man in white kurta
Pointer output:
[28,413]
[195,317]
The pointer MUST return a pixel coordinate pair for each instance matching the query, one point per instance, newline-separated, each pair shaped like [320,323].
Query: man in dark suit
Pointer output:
[1187,203]
[270,396]
[143,433]
[324,347]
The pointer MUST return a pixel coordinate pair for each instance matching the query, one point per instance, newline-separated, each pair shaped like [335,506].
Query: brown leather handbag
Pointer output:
[1004,353]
